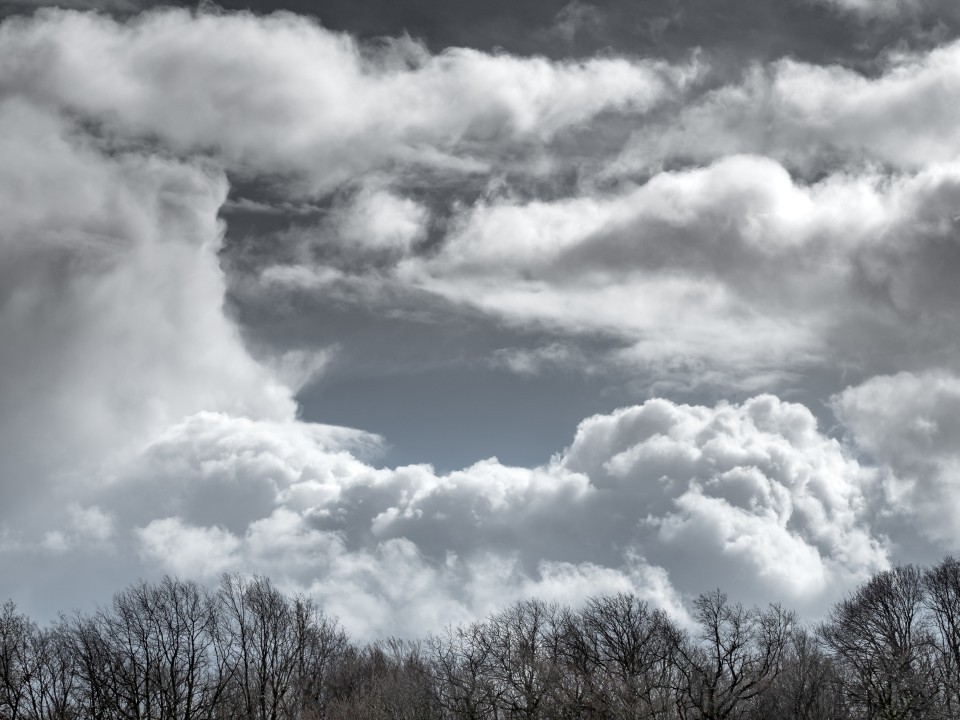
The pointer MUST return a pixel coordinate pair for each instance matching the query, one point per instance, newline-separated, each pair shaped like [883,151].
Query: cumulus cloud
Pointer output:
[752,491]
[111,302]
[682,267]
[135,421]
[908,423]
[283,94]
[736,267]
[734,487]
[811,116]
[202,553]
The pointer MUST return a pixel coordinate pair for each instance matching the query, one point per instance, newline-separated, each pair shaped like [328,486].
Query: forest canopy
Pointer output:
[176,650]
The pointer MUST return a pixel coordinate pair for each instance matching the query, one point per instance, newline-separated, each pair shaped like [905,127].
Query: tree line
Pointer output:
[174,650]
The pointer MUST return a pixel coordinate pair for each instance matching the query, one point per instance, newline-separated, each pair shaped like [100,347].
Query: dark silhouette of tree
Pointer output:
[173,650]
[621,655]
[807,688]
[735,655]
[942,601]
[459,658]
[15,661]
[275,650]
[520,643]
[883,644]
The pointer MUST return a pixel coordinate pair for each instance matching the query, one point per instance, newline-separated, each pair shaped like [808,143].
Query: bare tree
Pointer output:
[883,645]
[458,661]
[173,651]
[151,654]
[15,661]
[807,688]
[260,644]
[320,640]
[522,657]
[50,692]
[942,585]
[622,651]
[277,650]
[735,656]
[386,680]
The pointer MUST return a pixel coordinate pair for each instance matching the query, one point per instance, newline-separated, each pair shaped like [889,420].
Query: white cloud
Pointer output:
[202,553]
[380,220]
[91,523]
[874,8]
[296,369]
[810,116]
[282,94]
[211,470]
[736,268]
[111,308]
[910,424]
[753,492]
[128,395]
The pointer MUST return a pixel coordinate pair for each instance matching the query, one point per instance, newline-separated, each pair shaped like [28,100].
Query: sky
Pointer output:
[423,307]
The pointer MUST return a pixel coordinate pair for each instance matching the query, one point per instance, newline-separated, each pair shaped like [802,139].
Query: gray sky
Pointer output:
[422,307]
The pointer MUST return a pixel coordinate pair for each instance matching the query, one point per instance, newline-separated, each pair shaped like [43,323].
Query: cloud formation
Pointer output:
[908,422]
[727,237]
[753,491]
[874,8]
[283,94]
[808,115]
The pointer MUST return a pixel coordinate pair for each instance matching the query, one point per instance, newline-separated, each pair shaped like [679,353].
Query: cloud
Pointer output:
[117,6]
[377,219]
[202,553]
[554,356]
[111,306]
[736,268]
[684,267]
[296,369]
[734,487]
[874,9]
[137,423]
[752,491]
[282,94]
[576,18]
[810,116]
[908,423]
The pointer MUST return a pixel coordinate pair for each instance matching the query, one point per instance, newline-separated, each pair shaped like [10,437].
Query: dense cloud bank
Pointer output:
[741,239]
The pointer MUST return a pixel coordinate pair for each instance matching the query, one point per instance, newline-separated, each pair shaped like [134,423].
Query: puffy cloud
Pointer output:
[814,116]
[202,553]
[185,444]
[111,307]
[134,419]
[908,423]
[282,94]
[753,492]
[736,268]
[827,242]
[685,268]
[379,220]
